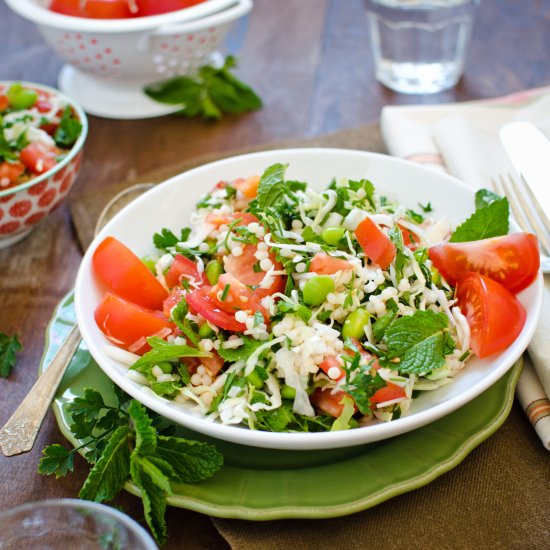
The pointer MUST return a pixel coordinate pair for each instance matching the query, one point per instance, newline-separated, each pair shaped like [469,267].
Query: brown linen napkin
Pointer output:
[496,498]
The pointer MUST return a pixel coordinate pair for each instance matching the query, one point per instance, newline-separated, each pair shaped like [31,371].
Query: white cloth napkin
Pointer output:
[462,139]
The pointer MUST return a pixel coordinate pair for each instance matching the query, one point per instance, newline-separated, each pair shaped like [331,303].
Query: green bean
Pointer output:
[213,271]
[288,392]
[317,289]
[21,98]
[332,235]
[354,325]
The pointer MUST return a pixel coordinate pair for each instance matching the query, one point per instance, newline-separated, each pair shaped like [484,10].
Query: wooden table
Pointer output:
[310,61]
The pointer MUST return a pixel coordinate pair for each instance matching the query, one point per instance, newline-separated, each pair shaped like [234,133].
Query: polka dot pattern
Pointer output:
[25,208]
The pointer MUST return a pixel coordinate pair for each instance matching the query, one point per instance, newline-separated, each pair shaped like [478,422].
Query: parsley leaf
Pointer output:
[56,460]
[166,238]
[211,92]
[284,307]
[420,341]
[68,130]
[487,221]
[242,352]
[9,346]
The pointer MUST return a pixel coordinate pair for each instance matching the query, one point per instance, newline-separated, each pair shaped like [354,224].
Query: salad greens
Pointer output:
[125,441]
[212,92]
[9,346]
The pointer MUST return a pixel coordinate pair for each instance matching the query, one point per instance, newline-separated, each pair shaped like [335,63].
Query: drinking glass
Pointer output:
[62,524]
[419,46]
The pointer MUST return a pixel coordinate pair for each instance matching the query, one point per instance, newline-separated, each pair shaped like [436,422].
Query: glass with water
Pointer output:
[419,46]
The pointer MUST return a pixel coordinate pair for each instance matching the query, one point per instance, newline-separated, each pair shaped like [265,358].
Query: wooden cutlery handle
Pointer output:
[20,431]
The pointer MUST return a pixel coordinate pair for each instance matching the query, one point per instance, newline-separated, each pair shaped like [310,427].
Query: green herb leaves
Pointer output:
[9,346]
[126,444]
[420,341]
[69,128]
[491,219]
[211,92]
[271,189]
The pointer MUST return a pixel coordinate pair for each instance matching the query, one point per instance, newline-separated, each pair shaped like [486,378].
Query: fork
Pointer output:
[527,212]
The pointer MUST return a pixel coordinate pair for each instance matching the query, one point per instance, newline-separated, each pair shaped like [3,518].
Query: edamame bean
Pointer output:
[21,98]
[317,289]
[205,331]
[213,271]
[288,392]
[354,325]
[332,235]
[255,379]
[165,366]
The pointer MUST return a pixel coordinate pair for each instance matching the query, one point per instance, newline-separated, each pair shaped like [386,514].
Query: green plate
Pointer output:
[263,484]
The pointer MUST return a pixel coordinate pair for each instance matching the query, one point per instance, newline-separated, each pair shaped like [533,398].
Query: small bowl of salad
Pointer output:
[42,134]
[309,299]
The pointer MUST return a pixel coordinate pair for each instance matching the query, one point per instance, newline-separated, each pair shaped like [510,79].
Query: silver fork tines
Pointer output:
[526,208]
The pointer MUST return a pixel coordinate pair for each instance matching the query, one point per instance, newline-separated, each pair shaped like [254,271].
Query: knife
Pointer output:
[529,151]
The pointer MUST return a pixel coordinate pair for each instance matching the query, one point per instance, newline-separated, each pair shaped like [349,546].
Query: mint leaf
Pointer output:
[192,460]
[484,197]
[56,460]
[153,497]
[109,474]
[241,353]
[164,351]
[68,130]
[272,185]
[420,341]
[146,435]
[489,221]
[396,237]
[9,346]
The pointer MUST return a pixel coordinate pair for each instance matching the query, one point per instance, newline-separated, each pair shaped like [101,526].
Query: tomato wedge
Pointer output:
[329,402]
[212,364]
[244,218]
[10,172]
[248,187]
[376,245]
[125,323]
[512,260]
[38,157]
[236,296]
[410,239]
[200,303]
[387,393]
[183,267]
[495,316]
[323,264]
[126,275]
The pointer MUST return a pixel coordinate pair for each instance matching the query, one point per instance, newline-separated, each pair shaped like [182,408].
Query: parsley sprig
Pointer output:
[212,92]
[124,441]
[9,346]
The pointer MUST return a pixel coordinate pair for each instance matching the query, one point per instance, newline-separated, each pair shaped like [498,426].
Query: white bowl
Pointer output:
[109,61]
[170,204]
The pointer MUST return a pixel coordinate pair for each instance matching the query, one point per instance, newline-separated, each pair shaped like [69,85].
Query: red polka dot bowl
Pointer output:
[109,61]
[24,206]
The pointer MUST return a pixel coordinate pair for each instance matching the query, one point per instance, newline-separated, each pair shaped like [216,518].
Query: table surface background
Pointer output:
[310,62]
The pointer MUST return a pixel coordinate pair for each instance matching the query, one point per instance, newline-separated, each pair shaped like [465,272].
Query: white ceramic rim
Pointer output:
[77,146]
[40,15]
[299,441]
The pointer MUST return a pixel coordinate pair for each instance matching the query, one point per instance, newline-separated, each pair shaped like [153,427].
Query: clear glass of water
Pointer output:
[64,524]
[419,46]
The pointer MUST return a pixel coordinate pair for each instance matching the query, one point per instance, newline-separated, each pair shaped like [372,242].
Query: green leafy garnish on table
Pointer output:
[211,92]
[9,346]
[127,442]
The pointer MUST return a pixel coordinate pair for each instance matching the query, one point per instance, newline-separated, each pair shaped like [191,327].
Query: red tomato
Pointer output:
[323,264]
[368,357]
[95,9]
[375,244]
[494,314]
[43,105]
[410,239]
[220,219]
[237,297]
[329,402]
[199,302]
[512,260]
[241,267]
[38,157]
[126,275]
[4,102]
[183,267]
[387,393]
[125,323]
[10,172]
[213,364]
[248,187]
[172,301]
[153,7]
[329,362]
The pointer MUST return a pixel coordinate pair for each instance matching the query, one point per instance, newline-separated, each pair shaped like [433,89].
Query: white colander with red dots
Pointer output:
[109,61]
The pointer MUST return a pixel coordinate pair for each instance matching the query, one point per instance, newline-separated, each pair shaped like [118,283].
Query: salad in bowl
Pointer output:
[299,310]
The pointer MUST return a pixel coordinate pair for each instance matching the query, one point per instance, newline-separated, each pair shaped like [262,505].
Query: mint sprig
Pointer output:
[210,93]
[125,442]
